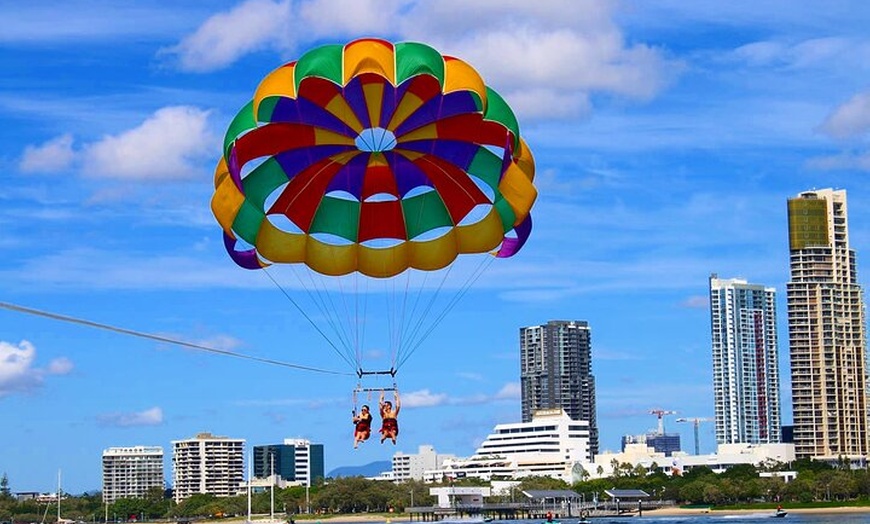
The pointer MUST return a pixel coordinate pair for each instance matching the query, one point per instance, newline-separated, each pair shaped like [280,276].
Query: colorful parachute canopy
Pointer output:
[373,157]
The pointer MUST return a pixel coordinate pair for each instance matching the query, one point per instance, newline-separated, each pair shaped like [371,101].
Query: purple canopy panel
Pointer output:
[247,259]
[438,108]
[304,111]
[235,169]
[510,246]
[408,175]
[294,161]
[353,94]
[458,153]
[350,177]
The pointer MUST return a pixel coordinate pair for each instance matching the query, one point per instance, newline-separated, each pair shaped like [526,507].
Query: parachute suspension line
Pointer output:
[350,328]
[402,318]
[424,315]
[159,338]
[481,268]
[319,283]
[318,300]
[308,318]
[411,317]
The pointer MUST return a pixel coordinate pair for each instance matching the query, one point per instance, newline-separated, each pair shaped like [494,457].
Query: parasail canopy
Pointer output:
[373,157]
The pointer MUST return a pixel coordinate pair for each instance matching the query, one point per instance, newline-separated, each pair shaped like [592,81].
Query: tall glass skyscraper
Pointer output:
[826,330]
[745,362]
[556,372]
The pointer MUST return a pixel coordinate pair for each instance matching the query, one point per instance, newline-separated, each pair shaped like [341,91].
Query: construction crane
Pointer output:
[661,413]
[697,422]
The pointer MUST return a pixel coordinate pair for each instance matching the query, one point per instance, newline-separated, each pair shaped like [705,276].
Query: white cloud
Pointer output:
[17,371]
[561,51]
[52,156]
[697,302]
[149,417]
[423,398]
[850,119]
[225,37]
[510,391]
[165,145]
[843,161]
[59,366]
[330,17]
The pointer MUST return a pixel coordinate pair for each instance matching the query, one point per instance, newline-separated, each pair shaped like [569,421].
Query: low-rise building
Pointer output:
[552,445]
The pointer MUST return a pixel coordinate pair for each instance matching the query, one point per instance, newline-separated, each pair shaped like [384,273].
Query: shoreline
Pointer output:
[660,512]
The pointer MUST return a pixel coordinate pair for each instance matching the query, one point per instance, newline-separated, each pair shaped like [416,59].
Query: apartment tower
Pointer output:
[556,373]
[745,362]
[208,464]
[826,330]
[132,472]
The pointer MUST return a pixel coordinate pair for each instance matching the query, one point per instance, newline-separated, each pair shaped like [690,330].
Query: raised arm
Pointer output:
[398,402]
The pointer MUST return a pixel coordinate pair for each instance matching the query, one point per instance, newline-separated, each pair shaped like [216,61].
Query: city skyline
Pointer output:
[668,138]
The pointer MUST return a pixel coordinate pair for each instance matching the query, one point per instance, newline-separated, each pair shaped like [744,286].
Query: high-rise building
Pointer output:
[556,372]
[207,464]
[132,472]
[826,330]
[296,460]
[745,362]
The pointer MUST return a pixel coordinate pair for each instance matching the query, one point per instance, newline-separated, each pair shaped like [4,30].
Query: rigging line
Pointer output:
[308,318]
[318,302]
[421,320]
[402,311]
[349,326]
[323,298]
[322,284]
[402,327]
[482,267]
[160,338]
[408,318]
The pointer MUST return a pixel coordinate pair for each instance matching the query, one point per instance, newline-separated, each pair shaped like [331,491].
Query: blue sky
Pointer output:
[667,137]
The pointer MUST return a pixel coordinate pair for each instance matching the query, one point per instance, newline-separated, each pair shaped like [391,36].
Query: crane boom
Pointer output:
[661,413]
[696,421]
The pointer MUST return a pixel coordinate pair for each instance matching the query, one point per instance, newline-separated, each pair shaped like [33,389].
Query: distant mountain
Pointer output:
[366,470]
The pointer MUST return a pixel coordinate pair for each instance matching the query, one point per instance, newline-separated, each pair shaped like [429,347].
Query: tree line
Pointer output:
[740,484]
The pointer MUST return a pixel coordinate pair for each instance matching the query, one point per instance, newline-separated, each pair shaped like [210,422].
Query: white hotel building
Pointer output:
[552,445]
[207,464]
[130,472]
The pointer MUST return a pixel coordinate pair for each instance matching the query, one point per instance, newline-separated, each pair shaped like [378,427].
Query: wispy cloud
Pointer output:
[426,398]
[696,302]
[850,119]
[148,417]
[167,145]
[568,50]
[227,36]
[18,372]
[52,156]
[36,22]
